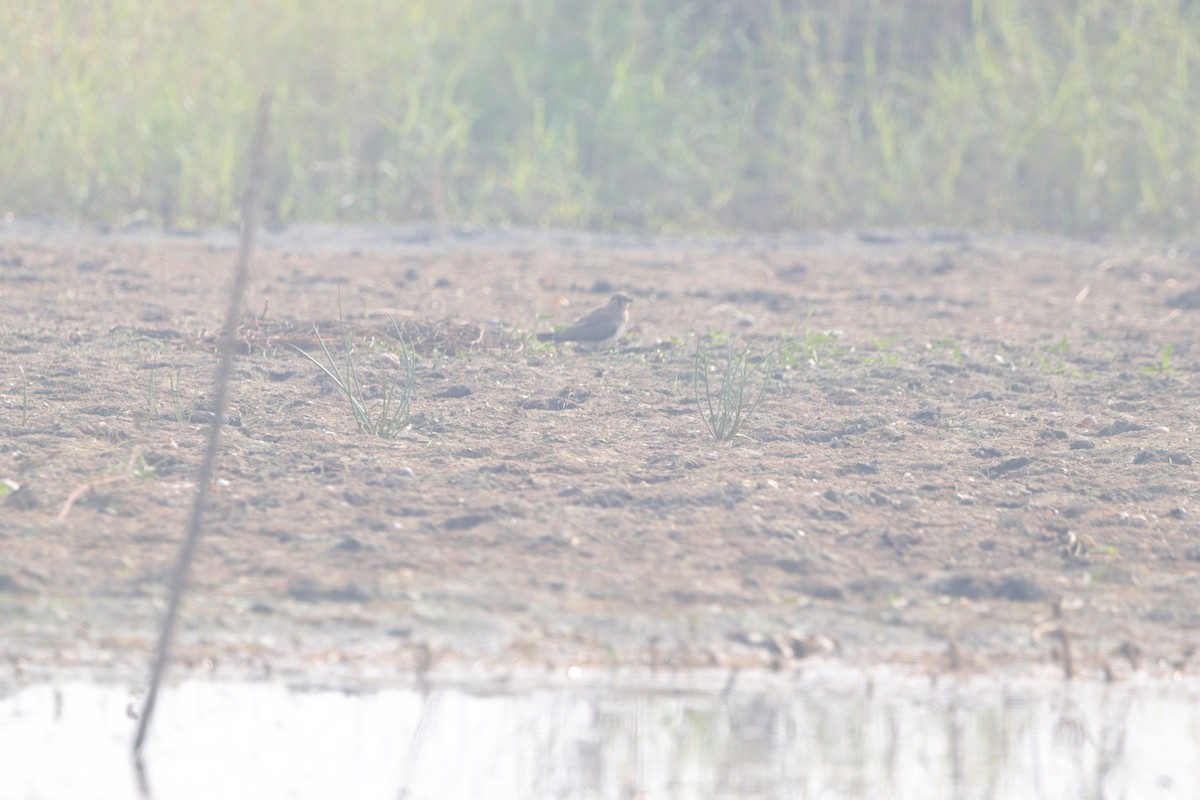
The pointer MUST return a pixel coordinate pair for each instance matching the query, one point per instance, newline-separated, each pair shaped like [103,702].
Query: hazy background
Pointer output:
[662,115]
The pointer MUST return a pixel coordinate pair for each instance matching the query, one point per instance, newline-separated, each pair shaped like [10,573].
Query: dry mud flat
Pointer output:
[915,486]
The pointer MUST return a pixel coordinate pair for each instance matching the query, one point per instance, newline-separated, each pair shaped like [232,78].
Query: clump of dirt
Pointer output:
[971,450]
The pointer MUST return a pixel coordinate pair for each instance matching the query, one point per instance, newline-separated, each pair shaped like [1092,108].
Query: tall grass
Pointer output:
[767,114]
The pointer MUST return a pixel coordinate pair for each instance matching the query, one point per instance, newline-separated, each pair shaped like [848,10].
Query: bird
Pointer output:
[599,329]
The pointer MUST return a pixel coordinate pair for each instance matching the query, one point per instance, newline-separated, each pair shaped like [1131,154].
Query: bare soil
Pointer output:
[921,483]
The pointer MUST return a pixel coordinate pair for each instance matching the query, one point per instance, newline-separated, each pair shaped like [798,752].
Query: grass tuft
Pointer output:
[726,405]
[388,416]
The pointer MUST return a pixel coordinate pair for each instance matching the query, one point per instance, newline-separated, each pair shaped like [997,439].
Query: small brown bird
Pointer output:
[598,329]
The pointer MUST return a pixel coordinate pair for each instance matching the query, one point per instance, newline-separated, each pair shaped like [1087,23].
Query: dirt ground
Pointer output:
[973,448]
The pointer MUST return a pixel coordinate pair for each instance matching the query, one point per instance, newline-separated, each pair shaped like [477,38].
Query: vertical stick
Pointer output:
[250,202]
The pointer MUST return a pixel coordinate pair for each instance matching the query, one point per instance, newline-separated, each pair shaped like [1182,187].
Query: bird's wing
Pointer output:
[597,325]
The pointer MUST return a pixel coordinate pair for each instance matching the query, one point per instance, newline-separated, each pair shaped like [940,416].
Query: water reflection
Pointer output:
[765,738]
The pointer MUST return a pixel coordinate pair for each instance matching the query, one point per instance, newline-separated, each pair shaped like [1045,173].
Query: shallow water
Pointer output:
[599,737]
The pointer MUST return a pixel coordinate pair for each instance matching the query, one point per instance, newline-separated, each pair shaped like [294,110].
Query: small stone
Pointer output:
[349,544]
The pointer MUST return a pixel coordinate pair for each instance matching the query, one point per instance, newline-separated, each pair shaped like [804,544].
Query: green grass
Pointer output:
[814,349]
[881,353]
[742,379]
[1055,359]
[950,344]
[1075,116]
[177,409]
[1162,367]
[379,409]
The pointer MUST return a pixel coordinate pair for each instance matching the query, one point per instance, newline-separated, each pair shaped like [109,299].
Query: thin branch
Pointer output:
[250,203]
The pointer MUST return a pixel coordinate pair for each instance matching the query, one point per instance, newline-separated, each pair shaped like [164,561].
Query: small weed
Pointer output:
[814,349]
[1162,367]
[1053,359]
[726,407]
[948,344]
[139,468]
[716,337]
[883,355]
[525,340]
[176,405]
[390,414]
[529,340]
[1060,348]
